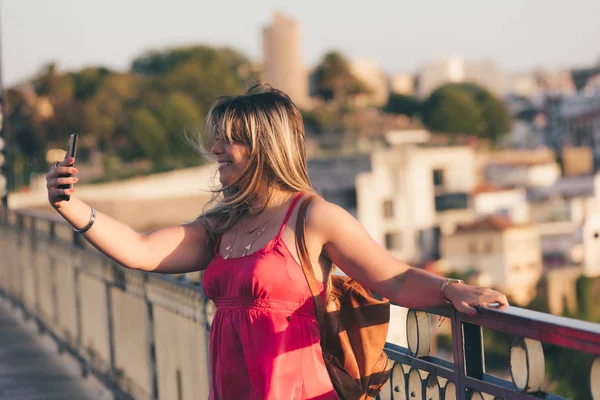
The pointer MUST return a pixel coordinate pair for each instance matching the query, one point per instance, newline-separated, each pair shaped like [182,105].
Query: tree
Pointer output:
[201,72]
[26,125]
[466,108]
[108,111]
[495,113]
[181,116]
[149,135]
[88,81]
[334,79]
[451,109]
[49,83]
[405,105]
[497,118]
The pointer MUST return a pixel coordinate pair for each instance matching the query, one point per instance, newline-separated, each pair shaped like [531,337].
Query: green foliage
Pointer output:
[468,109]
[149,135]
[453,110]
[141,114]
[88,81]
[107,113]
[334,79]
[322,120]
[588,299]
[25,126]
[49,83]
[181,115]
[405,105]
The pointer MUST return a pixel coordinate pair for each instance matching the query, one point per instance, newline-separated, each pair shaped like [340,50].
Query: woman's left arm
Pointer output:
[348,245]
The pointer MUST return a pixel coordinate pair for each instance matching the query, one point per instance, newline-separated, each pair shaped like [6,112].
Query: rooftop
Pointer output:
[489,223]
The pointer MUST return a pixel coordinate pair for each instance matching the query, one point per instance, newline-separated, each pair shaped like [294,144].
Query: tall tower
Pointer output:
[283,67]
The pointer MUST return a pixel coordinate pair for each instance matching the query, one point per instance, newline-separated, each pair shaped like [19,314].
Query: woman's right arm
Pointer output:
[178,249]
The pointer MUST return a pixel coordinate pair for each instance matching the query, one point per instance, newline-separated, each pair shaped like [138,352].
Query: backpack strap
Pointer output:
[309,273]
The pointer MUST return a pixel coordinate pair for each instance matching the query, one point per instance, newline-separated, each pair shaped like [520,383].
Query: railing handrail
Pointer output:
[566,332]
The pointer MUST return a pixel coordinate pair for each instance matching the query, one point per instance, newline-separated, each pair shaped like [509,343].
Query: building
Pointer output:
[413,192]
[283,68]
[402,83]
[523,85]
[556,82]
[511,202]
[522,173]
[568,219]
[580,119]
[591,246]
[434,74]
[334,178]
[485,73]
[507,253]
[369,73]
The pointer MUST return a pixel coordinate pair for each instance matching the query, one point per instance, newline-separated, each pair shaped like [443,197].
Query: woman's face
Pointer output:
[232,157]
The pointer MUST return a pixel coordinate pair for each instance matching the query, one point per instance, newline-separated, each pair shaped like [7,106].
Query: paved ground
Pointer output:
[32,369]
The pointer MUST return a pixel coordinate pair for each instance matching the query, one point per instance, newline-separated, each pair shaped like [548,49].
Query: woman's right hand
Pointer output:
[56,177]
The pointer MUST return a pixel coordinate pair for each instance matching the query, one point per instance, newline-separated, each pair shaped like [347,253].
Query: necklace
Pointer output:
[247,248]
[229,249]
[252,230]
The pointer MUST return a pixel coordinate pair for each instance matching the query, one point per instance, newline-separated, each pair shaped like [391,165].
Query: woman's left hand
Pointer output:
[466,297]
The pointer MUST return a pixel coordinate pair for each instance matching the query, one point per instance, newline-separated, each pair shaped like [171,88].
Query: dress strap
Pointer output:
[217,243]
[289,211]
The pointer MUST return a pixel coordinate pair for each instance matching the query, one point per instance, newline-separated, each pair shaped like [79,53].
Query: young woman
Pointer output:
[264,337]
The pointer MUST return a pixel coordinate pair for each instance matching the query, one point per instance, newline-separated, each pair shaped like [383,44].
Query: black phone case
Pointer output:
[73,151]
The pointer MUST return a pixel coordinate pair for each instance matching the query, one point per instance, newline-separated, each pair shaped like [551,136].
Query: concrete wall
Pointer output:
[114,318]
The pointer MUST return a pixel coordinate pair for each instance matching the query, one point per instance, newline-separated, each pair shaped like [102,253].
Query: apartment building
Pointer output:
[508,254]
[414,192]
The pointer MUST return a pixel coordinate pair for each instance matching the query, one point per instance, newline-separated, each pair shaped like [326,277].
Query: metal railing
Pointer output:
[146,335]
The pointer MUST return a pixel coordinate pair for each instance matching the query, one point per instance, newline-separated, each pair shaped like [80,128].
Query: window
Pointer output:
[388,209]
[451,201]
[438,177]
[489,247]
[533,266]
[393,241]
[473,248]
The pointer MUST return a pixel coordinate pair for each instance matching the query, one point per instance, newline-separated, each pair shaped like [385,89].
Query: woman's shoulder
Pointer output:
[204,225]
[321,215]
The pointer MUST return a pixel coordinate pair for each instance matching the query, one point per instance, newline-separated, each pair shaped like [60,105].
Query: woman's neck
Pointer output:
[266,201]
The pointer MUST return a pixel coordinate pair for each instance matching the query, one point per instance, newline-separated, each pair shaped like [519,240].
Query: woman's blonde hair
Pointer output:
[270,124]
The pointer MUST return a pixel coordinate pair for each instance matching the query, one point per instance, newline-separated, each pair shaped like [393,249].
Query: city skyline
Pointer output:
[520,36]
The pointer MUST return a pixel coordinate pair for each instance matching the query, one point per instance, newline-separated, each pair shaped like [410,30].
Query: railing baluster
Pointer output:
[458,353]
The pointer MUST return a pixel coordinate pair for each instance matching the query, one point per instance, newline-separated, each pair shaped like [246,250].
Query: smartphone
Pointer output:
[71,152]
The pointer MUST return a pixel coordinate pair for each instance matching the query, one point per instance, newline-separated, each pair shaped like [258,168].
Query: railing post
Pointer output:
[151,343]
[110,323]
[19,271]
[53,277]
[37,308]
[76,271]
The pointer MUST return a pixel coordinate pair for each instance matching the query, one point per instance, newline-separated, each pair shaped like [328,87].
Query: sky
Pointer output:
[401,35]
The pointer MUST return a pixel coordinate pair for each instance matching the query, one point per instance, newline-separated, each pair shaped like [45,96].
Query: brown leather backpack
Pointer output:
[353,324]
